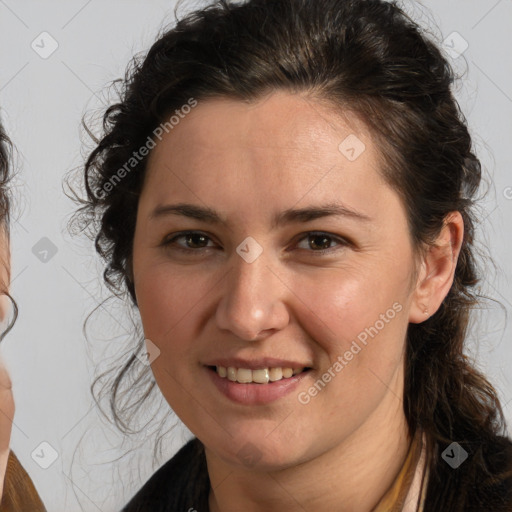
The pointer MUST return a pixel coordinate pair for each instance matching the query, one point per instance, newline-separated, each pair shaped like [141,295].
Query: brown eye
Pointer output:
[192,241]
[319,242]
[195,240]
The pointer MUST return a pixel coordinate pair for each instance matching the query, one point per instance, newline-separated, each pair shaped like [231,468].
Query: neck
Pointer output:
[352,476]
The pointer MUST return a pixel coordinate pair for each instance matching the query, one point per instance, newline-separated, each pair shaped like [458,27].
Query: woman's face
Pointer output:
[268,186]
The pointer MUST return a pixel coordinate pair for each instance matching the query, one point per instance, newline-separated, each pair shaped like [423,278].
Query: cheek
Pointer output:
[360,323]
[343,302]
[169,302]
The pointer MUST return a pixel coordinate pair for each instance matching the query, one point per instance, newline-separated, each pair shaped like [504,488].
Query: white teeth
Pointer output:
[287,372]
[231,374]
[276,374]
[260,376]
[244,375]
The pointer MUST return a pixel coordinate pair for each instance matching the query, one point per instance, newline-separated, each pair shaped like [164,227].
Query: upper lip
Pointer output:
[256,364]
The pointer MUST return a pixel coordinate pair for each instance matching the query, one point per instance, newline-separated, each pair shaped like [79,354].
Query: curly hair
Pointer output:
[370,58]
[5,150]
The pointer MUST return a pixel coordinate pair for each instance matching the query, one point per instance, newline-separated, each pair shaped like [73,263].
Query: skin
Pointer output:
[343,449]
[6,395]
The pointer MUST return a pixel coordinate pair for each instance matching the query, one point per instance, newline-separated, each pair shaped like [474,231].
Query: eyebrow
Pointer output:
[288,216]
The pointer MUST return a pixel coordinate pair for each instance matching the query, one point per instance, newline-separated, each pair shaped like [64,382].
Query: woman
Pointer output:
[17,492]
[285,190]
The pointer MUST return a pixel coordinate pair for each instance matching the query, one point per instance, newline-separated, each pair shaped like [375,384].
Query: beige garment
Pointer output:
[407,488]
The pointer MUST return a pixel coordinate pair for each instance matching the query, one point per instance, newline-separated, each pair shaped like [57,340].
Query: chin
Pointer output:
[261,453]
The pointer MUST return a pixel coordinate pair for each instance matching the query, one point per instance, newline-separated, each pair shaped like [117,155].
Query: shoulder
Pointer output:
[180,484]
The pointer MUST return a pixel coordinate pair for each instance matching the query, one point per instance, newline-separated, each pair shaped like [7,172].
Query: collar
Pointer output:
[409,487]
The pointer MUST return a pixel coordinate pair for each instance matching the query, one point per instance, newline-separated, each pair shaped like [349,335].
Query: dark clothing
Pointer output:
[182,484]
[177,484]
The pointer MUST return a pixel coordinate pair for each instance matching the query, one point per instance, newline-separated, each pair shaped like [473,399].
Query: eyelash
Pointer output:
[167,243]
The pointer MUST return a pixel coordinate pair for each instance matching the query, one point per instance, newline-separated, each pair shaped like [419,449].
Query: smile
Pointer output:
[255,386]
[259,376]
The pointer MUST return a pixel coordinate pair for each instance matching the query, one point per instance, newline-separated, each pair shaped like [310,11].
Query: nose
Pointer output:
[253,302]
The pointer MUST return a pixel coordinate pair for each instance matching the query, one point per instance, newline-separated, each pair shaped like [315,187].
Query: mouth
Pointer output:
[257,376]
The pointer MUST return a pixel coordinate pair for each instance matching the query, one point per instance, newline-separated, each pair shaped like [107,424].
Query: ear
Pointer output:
[437,269]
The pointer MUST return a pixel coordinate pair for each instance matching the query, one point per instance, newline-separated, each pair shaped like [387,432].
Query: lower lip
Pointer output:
[256,394]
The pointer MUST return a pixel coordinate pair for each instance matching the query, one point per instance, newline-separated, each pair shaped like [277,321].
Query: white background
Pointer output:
[42,102]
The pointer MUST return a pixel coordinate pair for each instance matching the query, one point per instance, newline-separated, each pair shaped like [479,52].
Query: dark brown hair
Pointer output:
[363,56]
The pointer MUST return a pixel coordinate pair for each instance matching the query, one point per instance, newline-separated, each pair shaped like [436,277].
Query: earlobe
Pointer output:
[437,269]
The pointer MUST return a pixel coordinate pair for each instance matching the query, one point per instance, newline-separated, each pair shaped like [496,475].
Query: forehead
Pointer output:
[283,141]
